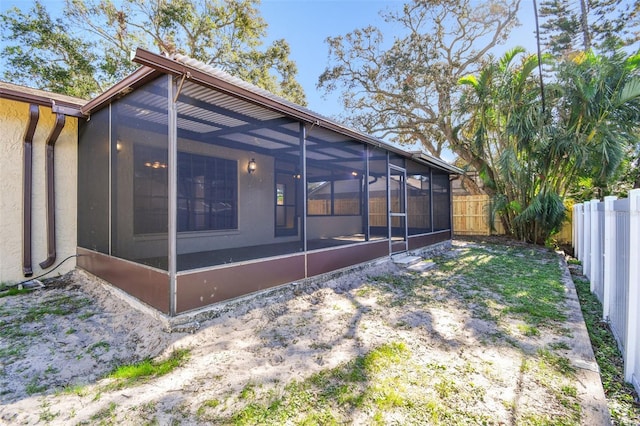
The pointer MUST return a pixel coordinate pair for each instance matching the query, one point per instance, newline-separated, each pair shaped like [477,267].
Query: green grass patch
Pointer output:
[524,282]
[60,306]
[35,386]
[13,291]
[107,413]
[129,375]
[621,396]
[386,385]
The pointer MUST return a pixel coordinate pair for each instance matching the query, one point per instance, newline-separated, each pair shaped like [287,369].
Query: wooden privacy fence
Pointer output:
[607,241]
[471,217]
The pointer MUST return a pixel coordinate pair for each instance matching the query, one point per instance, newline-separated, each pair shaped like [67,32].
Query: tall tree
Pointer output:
[561,27]
[406,92]
[224,33]
[604,25]
[532,160]
[42,53]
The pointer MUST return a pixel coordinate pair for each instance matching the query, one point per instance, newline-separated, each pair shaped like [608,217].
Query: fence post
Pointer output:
[587,240]
[634,283]
[574,231]
[609,254]
[579,230]
[593,240]
[581,237]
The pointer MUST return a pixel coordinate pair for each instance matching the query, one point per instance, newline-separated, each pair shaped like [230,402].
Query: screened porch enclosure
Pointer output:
[189,196]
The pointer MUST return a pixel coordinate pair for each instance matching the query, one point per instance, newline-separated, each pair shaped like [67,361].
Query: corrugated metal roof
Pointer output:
[245,99]
[222,75]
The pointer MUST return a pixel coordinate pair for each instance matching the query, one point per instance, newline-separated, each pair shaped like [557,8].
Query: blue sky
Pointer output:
[305,24]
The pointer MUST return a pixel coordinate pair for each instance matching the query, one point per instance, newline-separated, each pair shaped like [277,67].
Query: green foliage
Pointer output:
[531,158]
[407,91]
[41,52]
[88,48]
[604,25]
[598,115]
[128,375]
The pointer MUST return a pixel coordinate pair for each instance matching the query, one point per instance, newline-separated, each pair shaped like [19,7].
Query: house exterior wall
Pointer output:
[14,118]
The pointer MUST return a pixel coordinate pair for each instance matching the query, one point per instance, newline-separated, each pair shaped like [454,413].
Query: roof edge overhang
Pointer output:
[436,162]
[57,105]
[176,68]
[154,64]
[139,77]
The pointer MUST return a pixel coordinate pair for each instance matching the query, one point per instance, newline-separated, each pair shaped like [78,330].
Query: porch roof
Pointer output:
[189,69]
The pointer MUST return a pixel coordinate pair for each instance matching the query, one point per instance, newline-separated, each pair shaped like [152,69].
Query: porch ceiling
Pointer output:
[213,117]
[216,107]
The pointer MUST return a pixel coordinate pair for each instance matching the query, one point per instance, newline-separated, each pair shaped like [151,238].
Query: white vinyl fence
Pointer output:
[606,239]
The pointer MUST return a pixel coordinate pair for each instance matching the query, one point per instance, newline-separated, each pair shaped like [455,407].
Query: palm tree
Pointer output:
[531,158]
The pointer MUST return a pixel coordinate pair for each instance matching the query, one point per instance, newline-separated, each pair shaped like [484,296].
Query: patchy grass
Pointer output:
[477,340]
[393,385]
[374,386]
[134,374]
[59,306]
[13,291]
[16,327]
[523,281]
[621,396]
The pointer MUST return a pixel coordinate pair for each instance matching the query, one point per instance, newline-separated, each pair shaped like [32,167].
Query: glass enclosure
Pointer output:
[238,180]
[122,181]
[242,183]
[441,201]
[419,198]
[336,211]
[378,185]
[93,182]
[139,175]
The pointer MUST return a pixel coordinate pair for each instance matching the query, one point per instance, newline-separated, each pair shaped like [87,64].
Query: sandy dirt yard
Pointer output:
[58,345]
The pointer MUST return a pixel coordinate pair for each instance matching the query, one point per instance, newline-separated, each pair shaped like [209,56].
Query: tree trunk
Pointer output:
[584,23]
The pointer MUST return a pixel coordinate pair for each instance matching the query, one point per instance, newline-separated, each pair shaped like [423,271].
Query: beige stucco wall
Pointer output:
[14,117]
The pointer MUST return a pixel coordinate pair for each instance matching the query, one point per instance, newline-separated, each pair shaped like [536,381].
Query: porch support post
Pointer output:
[303,182]
[172,192]
[609,254]
[633,315]
[365,192]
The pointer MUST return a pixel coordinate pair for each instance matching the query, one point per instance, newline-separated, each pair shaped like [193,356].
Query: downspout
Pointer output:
[27,179]
[51,199]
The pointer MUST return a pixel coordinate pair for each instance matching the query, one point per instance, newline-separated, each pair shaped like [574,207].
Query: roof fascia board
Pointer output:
[169,66]
[436,162]
[136,79]
[63,107]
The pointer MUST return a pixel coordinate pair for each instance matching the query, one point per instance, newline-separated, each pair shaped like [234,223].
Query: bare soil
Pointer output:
[53,364]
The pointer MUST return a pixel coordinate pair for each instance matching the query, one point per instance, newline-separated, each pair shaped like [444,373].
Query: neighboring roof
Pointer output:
[64,104]
[214,78]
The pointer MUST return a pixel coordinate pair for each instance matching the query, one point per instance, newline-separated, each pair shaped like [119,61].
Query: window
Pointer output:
[207,193]
[339,195]
[150,195]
